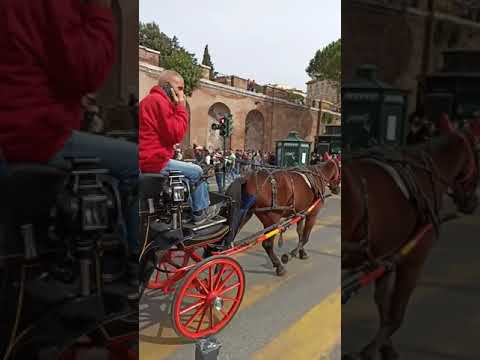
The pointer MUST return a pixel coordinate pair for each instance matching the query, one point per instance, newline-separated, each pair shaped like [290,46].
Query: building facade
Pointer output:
[260,118]
[321,90]
[405,38]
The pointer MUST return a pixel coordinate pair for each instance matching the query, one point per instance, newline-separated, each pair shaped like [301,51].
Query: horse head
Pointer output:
[331,170]
[466,180]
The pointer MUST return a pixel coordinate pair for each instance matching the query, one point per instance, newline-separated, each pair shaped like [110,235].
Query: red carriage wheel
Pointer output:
[170,261]
[208,297]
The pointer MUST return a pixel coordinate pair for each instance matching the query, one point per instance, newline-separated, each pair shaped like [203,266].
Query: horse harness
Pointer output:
[313,177]
[400,167]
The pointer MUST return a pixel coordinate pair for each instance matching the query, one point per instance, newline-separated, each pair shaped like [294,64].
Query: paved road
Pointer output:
[294,317]
[443,320]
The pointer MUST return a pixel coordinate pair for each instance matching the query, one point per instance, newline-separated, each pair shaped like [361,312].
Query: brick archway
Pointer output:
[214,140]
[254,131]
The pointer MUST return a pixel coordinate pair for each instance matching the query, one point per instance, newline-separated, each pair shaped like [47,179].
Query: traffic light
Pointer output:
[220,126]
[225,125]
[229,124]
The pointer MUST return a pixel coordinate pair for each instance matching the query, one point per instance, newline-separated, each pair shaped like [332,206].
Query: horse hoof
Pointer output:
[303,255]
[281,271]
[389,353]
[284,258]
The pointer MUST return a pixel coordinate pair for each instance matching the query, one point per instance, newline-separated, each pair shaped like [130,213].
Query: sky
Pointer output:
[266,40]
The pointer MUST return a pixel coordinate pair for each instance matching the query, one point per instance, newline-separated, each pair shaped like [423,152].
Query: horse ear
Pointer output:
[444,125]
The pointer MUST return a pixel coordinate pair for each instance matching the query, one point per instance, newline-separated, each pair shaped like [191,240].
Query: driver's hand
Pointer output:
[179,97]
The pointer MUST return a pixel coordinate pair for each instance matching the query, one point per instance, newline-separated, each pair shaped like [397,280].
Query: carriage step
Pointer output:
[212,222]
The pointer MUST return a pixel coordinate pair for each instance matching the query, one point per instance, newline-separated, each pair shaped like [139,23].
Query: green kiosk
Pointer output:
[292,151]
[373,112]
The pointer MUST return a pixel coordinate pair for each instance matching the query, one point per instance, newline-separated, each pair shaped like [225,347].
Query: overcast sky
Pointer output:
[270,41]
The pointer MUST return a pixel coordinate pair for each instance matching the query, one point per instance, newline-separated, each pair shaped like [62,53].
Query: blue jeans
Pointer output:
[200,198]
[219,179]
[118,156]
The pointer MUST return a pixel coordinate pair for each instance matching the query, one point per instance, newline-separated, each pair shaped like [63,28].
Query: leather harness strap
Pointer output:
[316,178]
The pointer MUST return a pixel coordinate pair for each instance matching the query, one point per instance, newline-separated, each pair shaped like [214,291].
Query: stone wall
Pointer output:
[318,90]
[148,56]
[400,41]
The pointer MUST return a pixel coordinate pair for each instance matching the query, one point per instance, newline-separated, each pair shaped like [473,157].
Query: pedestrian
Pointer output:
[219,166]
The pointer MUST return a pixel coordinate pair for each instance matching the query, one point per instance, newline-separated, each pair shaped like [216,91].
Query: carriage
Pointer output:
[62,262]
[195,262]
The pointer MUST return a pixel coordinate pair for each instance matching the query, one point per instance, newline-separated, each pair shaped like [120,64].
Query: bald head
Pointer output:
[175,80]
[169,76]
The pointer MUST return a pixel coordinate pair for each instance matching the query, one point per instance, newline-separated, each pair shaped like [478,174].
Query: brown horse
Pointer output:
[370,218]
[293,195]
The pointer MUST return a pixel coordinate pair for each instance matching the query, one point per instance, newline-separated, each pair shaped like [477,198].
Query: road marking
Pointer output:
[305,339]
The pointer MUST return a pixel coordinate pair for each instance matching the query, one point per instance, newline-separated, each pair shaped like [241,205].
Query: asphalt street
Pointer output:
[443,319]
[292,317]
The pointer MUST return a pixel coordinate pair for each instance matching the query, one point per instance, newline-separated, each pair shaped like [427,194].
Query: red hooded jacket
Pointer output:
[162,125]
[53,53]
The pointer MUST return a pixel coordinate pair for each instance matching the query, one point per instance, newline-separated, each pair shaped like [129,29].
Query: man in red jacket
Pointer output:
[163,123]
[53,53]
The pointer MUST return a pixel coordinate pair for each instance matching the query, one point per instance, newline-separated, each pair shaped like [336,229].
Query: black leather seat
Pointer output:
[29,191]
[27,194]
[151,185]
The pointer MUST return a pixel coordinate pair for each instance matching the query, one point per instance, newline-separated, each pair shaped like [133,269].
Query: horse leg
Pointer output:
[269,249]
[300,227]
[383,298]
[406,281]
[307,229]
[407,275]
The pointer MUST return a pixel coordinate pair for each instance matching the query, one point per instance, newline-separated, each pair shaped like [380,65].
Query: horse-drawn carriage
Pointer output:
[194,262]
[63,264]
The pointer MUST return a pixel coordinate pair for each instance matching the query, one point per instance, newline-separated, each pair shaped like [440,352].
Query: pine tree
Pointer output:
[207,61]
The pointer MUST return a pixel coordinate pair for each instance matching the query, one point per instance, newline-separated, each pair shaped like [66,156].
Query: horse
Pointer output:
[372,228]
[284,192]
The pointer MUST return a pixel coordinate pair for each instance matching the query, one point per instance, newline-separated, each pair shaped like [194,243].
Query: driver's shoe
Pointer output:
[204,215]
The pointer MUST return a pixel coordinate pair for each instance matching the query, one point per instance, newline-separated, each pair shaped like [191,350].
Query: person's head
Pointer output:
[173,78]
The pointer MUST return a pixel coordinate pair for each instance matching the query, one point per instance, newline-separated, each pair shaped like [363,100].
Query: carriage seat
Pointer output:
[29,191]
[150,185]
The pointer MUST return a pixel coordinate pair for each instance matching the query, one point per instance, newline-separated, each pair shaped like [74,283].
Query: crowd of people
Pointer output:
[234,163]
[231,163]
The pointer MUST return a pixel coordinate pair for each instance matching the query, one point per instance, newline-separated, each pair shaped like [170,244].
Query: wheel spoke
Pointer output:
[205,290]
[201,318]
[198,296]
[211,316]
[223,313]
[229,299]
[191,307]
[187,324]
[224,281]
[219,276]
[210,278]
[223,291]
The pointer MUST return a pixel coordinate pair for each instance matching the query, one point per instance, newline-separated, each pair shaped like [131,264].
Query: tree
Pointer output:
[207,61]
[172,55]
[326,64]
